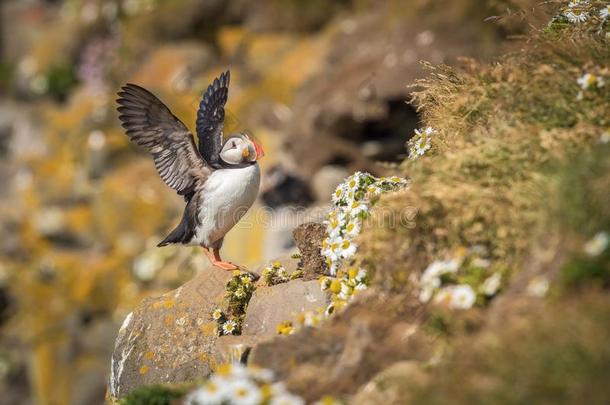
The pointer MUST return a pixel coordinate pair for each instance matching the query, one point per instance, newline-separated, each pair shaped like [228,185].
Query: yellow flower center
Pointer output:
[352,273]
[335,286]
[346,244]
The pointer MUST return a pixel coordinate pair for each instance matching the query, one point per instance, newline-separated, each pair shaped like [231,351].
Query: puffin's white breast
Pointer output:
[225,198]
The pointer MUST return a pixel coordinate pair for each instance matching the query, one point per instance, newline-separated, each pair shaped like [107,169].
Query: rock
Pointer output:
[169,338]
[392,385]
[347,348]
[325,181]
[308,238]
[269,306]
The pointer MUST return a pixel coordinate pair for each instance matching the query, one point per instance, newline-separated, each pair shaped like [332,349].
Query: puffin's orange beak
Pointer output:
[258,148]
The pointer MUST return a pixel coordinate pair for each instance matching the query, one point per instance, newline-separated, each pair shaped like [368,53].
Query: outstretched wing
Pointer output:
[150,124]
[210,119]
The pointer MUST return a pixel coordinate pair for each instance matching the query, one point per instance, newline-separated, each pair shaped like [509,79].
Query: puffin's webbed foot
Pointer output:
[225,265]
[217,261]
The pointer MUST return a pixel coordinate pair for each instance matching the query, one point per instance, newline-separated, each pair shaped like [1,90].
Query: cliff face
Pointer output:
[507,200]
[479,271]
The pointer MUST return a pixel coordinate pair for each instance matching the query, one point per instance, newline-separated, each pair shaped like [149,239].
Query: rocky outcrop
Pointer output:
[169,338]
[270,306]
[173,339]
[309,238]
[346,353]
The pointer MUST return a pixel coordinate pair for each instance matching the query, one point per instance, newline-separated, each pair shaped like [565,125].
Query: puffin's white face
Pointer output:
[239,149]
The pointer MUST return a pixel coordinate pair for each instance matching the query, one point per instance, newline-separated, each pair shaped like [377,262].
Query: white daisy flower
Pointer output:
[589,80]
[604,13]
[229,327]
[353,183]
[538,286]
[210,393]
[462,297]
[345,292]
[361,275]
[576,17]
[348,248]
[429,131]
[597,244]
[492,284]
[457,296]
[217,314]
[244,392]
[356,207]
[338,194]
[428,288]
[604,138]
[335,224]
[374,190]
[334,250]
[420,146]
[439,267]
[352,228]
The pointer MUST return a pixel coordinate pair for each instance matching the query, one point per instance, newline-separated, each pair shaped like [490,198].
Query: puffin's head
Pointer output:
[240,149]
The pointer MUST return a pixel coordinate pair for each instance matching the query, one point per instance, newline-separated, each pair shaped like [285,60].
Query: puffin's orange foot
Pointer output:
[224,265]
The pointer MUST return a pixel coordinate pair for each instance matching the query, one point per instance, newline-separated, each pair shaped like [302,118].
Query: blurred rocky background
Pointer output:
[322,84]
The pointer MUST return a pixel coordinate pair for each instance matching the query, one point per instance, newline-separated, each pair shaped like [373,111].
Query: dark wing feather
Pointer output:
[150,124]
[210,119]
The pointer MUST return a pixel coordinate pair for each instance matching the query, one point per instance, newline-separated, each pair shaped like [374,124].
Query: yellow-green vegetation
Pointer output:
[153,395]
[559,355]
[276,274]
[239,291]
[518,165]
[502,131]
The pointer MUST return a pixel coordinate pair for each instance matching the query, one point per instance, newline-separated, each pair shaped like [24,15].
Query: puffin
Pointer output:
[219,178]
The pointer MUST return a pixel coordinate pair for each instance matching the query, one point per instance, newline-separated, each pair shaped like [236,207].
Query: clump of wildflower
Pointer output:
[239,291]
[237,384]
[420,142]
[461,281]
[343,288]
[352,200]
[597,244]
[276,274]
